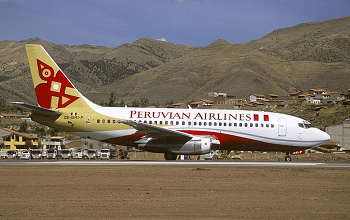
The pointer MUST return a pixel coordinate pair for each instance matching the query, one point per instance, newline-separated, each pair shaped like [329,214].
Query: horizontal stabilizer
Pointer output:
[36,109]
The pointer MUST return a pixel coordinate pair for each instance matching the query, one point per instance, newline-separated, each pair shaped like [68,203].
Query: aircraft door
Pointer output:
[88,121]
[282,127]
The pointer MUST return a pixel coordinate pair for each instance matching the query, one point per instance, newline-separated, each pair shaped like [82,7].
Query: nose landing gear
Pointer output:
[287,158]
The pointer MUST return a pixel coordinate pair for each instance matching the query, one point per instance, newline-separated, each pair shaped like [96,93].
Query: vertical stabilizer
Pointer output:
[52,87]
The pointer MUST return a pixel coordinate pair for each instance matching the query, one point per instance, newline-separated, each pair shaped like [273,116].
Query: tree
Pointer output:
[144,102]
[122,103]
[111,99]
[23,127]
[28,144]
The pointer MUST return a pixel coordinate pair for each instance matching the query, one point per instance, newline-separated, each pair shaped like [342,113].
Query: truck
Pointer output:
[4,155]
[12,154]
[105,154]
[78,154]
[92,154]
[26,155]
[51,154]
[37,154]
[66,154]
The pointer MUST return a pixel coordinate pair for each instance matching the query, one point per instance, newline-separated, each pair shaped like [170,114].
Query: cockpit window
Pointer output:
[305,125]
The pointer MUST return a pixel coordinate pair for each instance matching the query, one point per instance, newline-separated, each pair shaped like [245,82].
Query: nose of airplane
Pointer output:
[323,136]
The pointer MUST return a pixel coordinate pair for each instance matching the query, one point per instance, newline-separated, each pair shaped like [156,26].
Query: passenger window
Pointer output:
[166,122]
[220,124]
[108,121]
[195,123]
[267,125]
[272,125]
[160,122]
[209,123]
[114,121]
[262,125]
[245,124]
[235,124]
[183,123]
[177,123]
[103,121]
[145,121]
[155,122]
[205,123]
[98,120]
[225,124]
[251,124]
[240,124]
[189,123]
[230,124]
[150,122]
[256,125]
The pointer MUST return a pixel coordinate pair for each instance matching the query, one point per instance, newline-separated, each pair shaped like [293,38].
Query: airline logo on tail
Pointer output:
[54,91]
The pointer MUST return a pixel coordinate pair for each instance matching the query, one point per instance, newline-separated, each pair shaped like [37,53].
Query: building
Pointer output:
[256,98]
[340,133]
[203,103]
[54,143]
[13,140]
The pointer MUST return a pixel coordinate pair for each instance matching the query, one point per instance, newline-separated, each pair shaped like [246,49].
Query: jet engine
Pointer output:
[195,146]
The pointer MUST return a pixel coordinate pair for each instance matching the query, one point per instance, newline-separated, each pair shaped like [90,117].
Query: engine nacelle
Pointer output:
[199,146]
[195,146]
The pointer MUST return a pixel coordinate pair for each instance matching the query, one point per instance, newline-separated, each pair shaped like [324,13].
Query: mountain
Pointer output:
[89,67]
[312,55]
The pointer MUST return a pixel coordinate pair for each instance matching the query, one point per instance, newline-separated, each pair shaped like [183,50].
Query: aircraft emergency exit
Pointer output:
[161,130]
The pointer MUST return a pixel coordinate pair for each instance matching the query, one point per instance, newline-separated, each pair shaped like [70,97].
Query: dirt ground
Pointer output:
[173,192]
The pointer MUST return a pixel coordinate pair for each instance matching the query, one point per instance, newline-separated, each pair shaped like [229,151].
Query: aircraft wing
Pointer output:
[36,109]
[156,132]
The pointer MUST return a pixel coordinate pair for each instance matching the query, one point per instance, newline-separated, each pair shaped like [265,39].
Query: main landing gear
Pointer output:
[170,156]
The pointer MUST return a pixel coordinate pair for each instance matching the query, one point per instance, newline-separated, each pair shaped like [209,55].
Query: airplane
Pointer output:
[161,130]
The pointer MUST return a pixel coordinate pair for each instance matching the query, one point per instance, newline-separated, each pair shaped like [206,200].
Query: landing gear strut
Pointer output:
[170,156]
[288,158]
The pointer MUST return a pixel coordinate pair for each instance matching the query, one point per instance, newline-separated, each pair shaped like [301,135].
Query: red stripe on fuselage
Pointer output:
[227,142]
[231,142]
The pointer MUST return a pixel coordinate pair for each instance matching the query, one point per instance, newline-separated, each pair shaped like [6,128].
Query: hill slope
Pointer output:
[89,67]
[296,58]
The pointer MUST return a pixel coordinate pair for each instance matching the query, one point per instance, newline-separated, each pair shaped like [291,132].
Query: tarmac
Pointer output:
[174,190]
[174,163]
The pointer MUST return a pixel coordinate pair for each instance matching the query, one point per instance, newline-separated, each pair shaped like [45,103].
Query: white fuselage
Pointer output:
[235,129]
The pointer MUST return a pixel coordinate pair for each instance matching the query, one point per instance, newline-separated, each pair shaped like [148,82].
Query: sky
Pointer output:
[192,22]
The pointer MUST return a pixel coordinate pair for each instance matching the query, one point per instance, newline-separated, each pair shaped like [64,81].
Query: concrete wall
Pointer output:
[340,133]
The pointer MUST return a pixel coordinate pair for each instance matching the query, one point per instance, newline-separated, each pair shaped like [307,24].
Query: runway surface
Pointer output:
[176,163]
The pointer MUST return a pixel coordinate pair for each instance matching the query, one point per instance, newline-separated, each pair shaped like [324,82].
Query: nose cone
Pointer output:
[323,137]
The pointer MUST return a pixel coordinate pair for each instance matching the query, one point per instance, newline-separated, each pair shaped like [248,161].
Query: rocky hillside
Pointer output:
[290,59]
[89,67]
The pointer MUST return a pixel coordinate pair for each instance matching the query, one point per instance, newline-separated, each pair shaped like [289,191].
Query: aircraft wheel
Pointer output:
[288,158]
[170,156]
